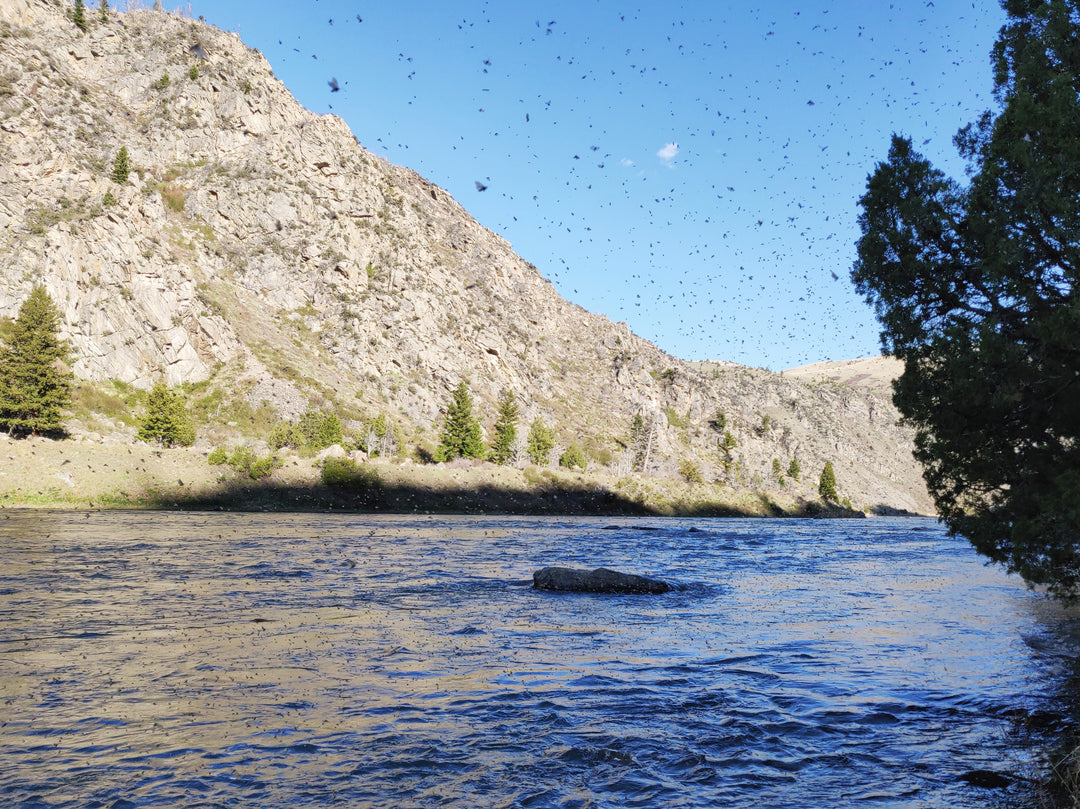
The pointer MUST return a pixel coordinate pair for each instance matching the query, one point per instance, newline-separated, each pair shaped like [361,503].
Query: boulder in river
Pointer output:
[601,580]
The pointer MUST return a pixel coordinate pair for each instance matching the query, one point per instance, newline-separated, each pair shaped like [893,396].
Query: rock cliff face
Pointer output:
[259,248]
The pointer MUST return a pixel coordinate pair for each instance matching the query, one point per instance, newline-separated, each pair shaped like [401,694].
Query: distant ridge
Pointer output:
[874,373]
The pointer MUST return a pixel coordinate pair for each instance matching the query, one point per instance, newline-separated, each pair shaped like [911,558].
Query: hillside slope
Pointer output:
[260,255]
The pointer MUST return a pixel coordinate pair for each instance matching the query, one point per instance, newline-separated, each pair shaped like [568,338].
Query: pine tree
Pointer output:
[121,167]
[35,384]
[461,436]
[777,471]
[975,286]
[502,448]
[827,484]
[642,438]
[727,445]
[167,421]
[793,469]
[78,16]
[541,441]
[103,10]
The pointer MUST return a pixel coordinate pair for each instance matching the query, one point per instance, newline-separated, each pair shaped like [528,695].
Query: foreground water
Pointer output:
[153,659]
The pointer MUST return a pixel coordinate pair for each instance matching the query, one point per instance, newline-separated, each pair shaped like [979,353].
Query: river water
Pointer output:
[169,659]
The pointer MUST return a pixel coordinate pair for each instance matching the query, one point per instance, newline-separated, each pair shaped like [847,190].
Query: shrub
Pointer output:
[174,198]
[674,419]
[193,74]
[256,467]
[572,457]
[161,83]
[345,473]
[690,472]
[320,429]
[285,434]
[218,457]
[263,467]
[108,199]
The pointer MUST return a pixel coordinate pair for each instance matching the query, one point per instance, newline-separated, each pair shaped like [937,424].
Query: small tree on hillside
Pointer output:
[718,422]
[103,10]
[827,484]
[727,447]
[793,469]
[121,167]
[461,436]
[78,15]
[541,441]
[502,448]
[642,439]
[35,383]
[167,421]
[777,471]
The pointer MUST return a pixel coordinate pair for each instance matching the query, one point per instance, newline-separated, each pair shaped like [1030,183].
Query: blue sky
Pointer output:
[691,168]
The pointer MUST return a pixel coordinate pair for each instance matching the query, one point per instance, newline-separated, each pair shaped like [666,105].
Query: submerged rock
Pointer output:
[601,580]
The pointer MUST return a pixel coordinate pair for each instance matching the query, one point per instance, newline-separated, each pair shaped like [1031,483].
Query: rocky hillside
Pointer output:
[258,254]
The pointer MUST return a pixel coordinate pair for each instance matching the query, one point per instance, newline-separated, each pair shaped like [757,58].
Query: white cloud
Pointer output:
[626,161]
[668,152]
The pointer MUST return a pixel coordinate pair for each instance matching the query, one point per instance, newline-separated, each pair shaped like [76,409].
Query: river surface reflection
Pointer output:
[164,659]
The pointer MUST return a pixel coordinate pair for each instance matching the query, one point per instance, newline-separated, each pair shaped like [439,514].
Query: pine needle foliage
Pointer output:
[35,383]
[167,421]
[540,442]
[502,448]
[78,15]
[827,484]
[461,436]
[121,167]
[975,286]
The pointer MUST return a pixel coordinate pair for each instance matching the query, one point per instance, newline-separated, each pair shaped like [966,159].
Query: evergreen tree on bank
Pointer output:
[827,484]
[167,421]
[502,448]
[540,443]
[975,289]
[461,436]
[35,383]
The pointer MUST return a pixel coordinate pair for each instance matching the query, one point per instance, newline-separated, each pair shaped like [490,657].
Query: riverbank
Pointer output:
[113,472]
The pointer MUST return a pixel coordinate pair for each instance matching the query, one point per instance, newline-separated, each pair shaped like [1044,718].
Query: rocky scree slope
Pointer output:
[259,249]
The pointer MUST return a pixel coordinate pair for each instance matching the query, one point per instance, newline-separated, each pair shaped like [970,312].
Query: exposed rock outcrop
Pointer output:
[601,580]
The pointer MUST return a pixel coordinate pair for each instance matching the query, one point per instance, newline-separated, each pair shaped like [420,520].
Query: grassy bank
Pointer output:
[85,473]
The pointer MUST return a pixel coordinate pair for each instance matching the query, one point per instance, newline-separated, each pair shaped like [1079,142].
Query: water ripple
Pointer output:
[250,660]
